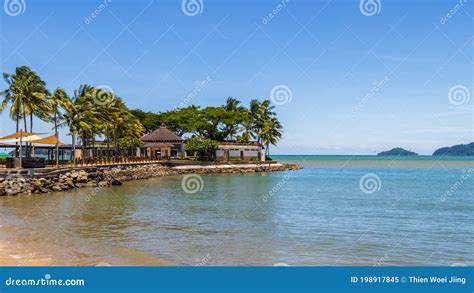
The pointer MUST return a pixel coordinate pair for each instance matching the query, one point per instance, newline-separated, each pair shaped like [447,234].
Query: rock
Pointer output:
[103,184]
[115,182]
[57,188]
[91,183]
[107,176]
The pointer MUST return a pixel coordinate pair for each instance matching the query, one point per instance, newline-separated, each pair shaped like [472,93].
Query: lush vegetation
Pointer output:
[231,121]
[89,113]
[457,150]
[397,152]
[92,112]
[204,147]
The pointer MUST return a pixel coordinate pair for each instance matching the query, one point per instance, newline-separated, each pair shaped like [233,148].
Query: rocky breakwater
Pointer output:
[107,176]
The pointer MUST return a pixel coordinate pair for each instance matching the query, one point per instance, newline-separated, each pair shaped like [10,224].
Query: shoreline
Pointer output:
[103,176]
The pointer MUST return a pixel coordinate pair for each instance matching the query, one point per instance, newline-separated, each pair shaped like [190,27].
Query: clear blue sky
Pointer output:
[359,84]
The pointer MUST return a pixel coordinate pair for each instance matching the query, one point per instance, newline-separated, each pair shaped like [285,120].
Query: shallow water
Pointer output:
[414,211]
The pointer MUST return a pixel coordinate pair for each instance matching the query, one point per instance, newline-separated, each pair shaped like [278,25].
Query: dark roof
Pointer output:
[161,135]
[157,145]
[229,142]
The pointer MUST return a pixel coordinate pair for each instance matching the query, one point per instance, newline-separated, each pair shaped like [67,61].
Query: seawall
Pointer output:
[61,180]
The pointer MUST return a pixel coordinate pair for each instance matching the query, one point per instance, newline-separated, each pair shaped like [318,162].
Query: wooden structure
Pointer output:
[162,143]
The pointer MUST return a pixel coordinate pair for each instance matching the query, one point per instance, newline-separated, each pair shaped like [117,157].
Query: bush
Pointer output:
[205,148]
[3,160]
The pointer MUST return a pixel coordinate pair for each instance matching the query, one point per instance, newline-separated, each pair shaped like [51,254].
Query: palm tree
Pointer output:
[56,102]
[88,119]
[233,104]
[127,134]
[265,124]
[27,94]
[12,96]
[246,127]
[233,117]
[271,133]
[80,116]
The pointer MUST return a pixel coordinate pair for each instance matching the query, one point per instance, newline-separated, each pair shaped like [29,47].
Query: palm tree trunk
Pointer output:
[26,129]
[73,149]
[31,130]
[17,129]
[108,148]
[83,148]
[107,137]
[93,150]
[57,139]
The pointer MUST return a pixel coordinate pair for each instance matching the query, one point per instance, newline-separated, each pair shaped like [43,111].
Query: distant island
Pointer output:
[397,152]
[457,150]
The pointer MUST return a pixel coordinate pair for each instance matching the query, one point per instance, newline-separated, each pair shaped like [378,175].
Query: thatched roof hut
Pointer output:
[163,135]
[162,143]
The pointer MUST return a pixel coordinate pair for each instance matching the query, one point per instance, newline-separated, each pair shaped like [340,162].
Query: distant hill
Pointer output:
[397,152]
[457,150]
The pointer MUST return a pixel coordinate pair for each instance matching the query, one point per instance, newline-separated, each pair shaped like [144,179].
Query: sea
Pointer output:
[336,211]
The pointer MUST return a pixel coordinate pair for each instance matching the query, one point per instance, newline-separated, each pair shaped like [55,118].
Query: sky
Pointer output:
[346,77]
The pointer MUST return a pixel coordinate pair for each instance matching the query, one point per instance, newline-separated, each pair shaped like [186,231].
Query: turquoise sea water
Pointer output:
[338,210]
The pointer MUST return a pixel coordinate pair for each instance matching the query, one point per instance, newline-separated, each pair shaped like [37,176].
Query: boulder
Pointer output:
[115,182]
[56,188]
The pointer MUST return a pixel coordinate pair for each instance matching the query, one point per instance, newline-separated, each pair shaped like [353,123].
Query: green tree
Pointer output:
[149,120]
[183,120]
[271,133]
[235,116]
[56,102]
[81,115]
[205,148]
[266,126]
[27,96]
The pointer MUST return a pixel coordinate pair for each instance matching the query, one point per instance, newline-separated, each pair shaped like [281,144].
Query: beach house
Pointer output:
[239,151]
[162,143]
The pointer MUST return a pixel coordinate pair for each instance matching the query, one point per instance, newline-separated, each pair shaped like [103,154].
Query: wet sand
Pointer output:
[13,255]
[38,253]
